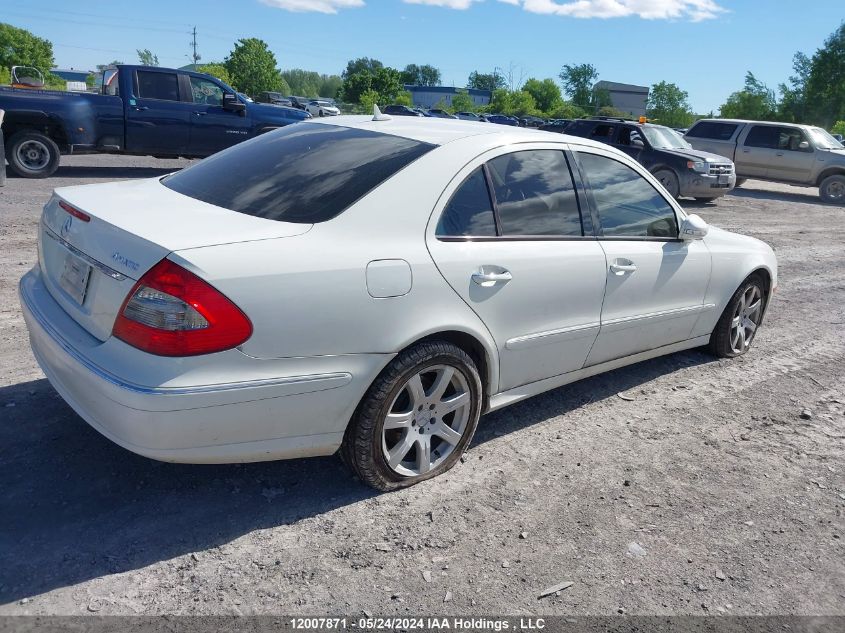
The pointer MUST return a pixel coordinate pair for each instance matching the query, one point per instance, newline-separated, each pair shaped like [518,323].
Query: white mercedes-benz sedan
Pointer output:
[376,298]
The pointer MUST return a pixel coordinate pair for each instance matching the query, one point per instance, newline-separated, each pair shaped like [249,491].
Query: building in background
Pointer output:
[430,96]
[625,97]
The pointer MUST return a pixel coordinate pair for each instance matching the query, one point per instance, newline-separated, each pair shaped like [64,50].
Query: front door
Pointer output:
[791,161]
[511,242]
[655,281]
[757,151]
[157,120]
[212,127]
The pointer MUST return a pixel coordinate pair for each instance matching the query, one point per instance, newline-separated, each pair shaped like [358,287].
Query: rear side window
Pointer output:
[714,130]
[627,204]
[470,211]
[535,194]
[766,136]
[304,172]
[603,133]
[152,85]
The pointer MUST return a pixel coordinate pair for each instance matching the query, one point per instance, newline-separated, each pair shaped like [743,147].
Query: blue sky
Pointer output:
[704,46]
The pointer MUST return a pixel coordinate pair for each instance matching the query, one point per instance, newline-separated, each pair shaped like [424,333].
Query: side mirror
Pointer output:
[231,102]
[693,228]
[803,145]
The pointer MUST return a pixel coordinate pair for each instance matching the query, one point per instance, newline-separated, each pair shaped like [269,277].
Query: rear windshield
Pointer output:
[303,173]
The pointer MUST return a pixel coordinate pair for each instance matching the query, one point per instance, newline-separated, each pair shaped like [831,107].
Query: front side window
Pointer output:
[470,211]
[603,133]
[206,92]
[534,194]
[790,139]
[627,204]
[153,85]
[267,177]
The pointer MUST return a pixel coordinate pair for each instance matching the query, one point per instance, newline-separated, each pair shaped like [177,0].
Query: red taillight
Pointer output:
[74,212]
[172,312]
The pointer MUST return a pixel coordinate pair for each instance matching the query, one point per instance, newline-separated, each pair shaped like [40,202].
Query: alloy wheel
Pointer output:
[745,320]
[426,420]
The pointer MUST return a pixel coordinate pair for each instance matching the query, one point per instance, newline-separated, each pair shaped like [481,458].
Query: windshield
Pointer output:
[664,138]
[823,140]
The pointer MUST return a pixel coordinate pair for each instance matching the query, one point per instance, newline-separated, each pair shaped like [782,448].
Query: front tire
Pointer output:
[416,419]
[738,324]
[32,154]
[669,181]
[832,189]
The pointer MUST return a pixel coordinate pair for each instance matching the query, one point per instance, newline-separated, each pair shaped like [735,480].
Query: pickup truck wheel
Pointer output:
[669,181]
[32,155]
[740,182]
[832,189]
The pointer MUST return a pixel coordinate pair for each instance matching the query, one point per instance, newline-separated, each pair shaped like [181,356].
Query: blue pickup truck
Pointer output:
[141,110]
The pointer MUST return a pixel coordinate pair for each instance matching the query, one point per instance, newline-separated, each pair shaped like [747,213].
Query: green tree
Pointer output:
[825,88]
[404,98]
[368,99]
[755,101]
[252,67]
[613,112]
[329,86]
[567,111]
[19,47]
[545,92]
[384,81]
[482,81]
[509,102]
[793,102]
[5,76]
[146,58]
[838,128]
[425,75]
[462,102]
[578,81]
[361,65]
[669,105]
[216,69]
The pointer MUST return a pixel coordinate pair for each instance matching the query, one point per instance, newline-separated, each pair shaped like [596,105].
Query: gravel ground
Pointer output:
[709,492]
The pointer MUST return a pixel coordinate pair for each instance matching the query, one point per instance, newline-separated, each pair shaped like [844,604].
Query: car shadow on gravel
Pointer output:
[811,197]
[75,506]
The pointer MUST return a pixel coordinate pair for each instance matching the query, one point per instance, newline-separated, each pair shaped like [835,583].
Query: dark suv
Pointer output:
[682,170]
[400,110]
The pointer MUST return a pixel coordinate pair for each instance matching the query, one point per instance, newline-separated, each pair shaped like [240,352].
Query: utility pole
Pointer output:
[193,45]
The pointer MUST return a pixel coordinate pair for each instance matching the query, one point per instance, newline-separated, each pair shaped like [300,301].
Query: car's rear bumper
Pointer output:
[301,410]
[695,185]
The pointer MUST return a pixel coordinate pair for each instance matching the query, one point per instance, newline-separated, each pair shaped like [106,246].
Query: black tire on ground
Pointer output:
[740,182]
[321,113]
[832,189]
[720,339]
[362,444]
[32,154]
[669,180]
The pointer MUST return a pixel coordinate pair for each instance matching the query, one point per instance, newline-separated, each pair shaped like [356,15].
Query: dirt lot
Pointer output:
[733,500]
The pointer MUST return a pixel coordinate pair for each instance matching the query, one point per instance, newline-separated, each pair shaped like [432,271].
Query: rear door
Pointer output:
[757,150]
[510,238]
[718,137]
[157,119]
[655,281]
[212,127]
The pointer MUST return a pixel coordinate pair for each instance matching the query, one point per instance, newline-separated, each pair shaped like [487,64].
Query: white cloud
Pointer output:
[694,10]
[450,4]
[315,6]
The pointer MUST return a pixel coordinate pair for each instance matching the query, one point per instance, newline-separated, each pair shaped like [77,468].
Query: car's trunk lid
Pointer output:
[90,266]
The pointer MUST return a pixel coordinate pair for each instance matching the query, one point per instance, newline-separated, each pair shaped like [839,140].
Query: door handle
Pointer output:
[778,153]
[487,278]
[140,108]
[746,151]
[621,269]
[200,113]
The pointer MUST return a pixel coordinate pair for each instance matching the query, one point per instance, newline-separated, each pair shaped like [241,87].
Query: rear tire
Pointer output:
[416,419]
[832,189]
[669,181]
[32,154]
[741,319]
